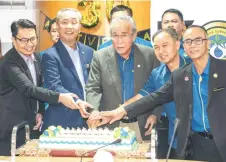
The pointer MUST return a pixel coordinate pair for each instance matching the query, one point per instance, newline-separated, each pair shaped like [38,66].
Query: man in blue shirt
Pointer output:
[166,46]
[173,18]
[121,10]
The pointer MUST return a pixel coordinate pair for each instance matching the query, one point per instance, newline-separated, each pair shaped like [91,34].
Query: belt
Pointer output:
[207,135]
[129,120]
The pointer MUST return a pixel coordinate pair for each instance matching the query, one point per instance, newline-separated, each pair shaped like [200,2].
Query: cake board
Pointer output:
[31,148]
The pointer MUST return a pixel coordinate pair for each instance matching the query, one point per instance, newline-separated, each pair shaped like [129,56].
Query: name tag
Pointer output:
[218,89]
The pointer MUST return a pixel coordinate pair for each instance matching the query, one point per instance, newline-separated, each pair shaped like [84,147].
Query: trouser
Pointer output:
[162,129]
[173,154]
[204,149]
[133,126]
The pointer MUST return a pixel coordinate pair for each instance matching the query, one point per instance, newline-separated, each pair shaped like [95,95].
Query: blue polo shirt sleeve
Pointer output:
[149,86]
[144,42]
[105,44]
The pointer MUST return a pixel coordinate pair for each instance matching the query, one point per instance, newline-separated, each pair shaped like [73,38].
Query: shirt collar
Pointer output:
[205,71]
[27,57]
[68,48]
[182,63]
[130,56]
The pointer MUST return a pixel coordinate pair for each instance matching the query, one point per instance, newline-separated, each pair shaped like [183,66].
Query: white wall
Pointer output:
[202,12]
[8,14]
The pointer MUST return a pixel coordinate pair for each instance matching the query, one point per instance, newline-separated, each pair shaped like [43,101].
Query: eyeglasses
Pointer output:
[26,40]
[197,41]
[122,37]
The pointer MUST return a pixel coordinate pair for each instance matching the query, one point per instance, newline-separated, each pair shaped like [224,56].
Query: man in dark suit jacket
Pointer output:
[198,90]
[19,86]
[65,68]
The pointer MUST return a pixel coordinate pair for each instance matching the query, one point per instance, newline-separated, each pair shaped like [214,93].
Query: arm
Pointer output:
[16,76]
[23,84]
[141,106]
[149,87]
[132,100]
[146,90]
[93,86]
[157,98]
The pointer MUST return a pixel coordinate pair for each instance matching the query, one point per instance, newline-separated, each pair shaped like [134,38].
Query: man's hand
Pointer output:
[93,123]
[84,107]
[68,100]
[38,121]
[109,116]
[152,119]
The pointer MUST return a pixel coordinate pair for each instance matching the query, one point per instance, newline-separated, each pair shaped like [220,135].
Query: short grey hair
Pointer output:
[170,31]
[61,12]
[128,19]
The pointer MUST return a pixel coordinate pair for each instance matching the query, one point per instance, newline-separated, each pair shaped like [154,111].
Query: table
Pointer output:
[68,159]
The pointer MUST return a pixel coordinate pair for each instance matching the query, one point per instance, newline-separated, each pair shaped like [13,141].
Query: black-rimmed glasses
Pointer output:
[26,40]
[197,41]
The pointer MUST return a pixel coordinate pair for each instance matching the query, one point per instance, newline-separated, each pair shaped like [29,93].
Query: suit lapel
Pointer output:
[18,59]
[187,87]
[37,69]
[138,69]
[66,59]
[82,59]
[215,80]
[112,64]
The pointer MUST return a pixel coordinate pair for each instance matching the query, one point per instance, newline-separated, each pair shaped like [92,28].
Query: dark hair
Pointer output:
[21,23]
[175,11]
[172,33]
[50,24]
[122,8]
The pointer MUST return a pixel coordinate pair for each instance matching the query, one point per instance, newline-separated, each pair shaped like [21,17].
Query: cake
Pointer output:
[87,139]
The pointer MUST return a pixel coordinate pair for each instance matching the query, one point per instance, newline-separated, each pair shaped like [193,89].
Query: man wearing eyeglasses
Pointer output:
[20,87]
[65,68]
[119,71]
[198,90]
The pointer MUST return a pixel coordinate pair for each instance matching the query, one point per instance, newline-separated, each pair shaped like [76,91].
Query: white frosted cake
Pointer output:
[87,139]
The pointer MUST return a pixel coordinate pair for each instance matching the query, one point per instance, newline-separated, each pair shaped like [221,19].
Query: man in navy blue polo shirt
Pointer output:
[173,18]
